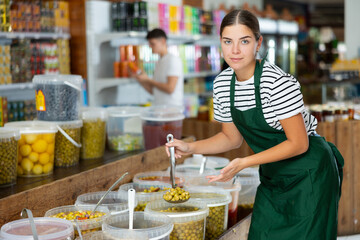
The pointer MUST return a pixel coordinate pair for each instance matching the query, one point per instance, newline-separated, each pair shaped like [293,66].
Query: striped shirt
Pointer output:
[280,95]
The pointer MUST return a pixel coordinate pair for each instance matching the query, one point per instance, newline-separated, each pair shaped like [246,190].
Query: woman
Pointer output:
[300,172]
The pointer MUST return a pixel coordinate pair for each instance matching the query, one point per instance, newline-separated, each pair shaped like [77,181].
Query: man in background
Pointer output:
[167,84]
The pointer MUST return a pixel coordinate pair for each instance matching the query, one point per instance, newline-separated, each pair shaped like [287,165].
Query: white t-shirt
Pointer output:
[169,66]
[279,92]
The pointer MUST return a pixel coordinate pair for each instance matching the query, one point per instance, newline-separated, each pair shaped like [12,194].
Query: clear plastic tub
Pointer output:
[158,122]
[36,147]
[142,197]
[85,225]
[233,187]
[157,176]
[114,235]
[58,97]
[156,226]
[112,201]
[217,201]
[68,143]
[190,171]
[47,229]
[124,132]
[249,180]
[9,155]
[93,132]
[212,162]
[188,218]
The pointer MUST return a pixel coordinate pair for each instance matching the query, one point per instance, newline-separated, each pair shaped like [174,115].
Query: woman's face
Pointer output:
[239,46]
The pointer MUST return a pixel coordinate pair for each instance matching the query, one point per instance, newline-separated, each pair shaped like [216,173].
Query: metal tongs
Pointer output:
[170,138]
[26,213]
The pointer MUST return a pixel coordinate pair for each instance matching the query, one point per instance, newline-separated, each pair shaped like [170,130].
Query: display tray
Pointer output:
[25,183]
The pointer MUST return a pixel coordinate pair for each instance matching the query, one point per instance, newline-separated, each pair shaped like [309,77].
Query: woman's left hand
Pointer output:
[228,172]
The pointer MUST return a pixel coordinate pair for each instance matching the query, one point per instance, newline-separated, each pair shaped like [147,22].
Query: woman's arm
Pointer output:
[228,139]
[297,143]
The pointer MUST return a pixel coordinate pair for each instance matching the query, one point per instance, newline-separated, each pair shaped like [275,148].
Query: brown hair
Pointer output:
[243,17]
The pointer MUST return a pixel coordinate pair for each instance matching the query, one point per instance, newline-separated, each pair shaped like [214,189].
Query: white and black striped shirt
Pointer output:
[280,97]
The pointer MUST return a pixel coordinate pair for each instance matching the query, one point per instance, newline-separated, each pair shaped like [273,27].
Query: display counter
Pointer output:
[40,194]
[344,134]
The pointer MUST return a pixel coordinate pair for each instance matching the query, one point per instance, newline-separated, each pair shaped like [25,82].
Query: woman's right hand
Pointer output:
[181,148]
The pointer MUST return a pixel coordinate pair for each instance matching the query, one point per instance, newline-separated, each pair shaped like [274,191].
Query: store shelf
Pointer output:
[200,74]
[103,83]
[16,86]
[137,38]
[33,35]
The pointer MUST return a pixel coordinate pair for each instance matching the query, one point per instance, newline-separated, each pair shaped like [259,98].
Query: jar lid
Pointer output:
[48,228]
[58,79]
[26,127]
[213,196]
[9,132]
[70,124]
[163,113]
[93,113]
[212,161]
[112,200]
[126,111]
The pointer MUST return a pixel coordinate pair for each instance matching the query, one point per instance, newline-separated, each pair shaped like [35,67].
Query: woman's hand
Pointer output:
[181,148]
[228,172]
[142,77]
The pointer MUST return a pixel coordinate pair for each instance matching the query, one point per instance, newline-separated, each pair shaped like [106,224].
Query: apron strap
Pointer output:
[257,76]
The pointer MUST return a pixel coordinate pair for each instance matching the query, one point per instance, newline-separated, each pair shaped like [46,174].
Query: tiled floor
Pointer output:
[353,237]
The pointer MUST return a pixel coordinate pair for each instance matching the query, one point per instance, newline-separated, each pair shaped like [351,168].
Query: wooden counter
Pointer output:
[63,187]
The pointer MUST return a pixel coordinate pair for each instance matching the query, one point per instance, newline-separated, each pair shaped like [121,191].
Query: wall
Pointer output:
[352,33]
[214,4]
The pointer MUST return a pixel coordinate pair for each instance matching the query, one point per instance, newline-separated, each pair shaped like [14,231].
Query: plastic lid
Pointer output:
[155,225]
[9,132]
[249,176]
[126,111]
[47,229]
[69,124]
[193,170]
[213,196]
[163,113]
[33,127]
[186,216]
[114,235]
[142,196]
[232,185]
[83,224]
[93,113]
[71,80]
[112,201]
[211,162]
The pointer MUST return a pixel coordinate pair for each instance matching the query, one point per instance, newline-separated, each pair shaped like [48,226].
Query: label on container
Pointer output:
[40,101]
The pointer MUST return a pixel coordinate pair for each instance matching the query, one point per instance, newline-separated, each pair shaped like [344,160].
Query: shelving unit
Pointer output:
[33,35]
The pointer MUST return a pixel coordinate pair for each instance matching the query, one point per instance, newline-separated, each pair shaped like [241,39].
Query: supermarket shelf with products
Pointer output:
[34,35]
[102,83]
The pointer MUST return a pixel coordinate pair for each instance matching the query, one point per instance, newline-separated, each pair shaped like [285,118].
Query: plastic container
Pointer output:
[36,147]
[217,201]
[114,235]
[68,143]
[58,97]
[47,229]
[124,132]
[233,187]
[156,226]
[188,218]
[157,177]
[190,171]
[158,122]
[9,155]
[249,180]
[212,162]
[93,132]
[143,198]
[85,225]
[112,201]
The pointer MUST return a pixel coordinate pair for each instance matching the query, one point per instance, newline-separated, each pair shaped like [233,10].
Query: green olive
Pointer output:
[215,222]
[8,160]
[66,153]
[93,136]
[176,194]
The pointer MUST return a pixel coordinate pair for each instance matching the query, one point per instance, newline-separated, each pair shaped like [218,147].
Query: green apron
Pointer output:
[298,197]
